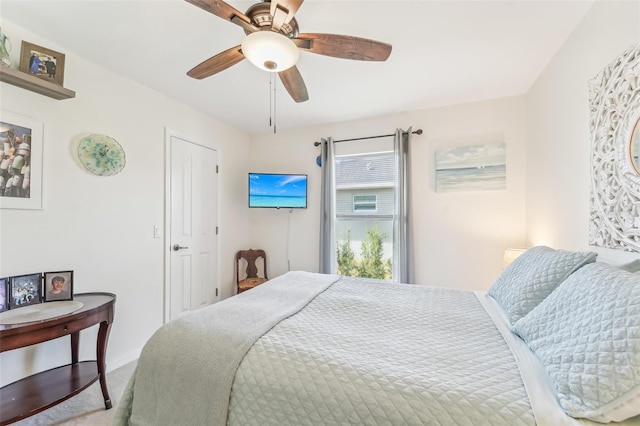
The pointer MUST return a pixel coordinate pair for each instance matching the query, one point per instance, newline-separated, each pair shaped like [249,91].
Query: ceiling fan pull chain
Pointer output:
[270,101]
[274,102]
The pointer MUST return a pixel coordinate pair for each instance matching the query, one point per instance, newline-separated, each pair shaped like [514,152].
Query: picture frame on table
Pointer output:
[4,292]
[25,290]
[20,161]
[42,62]
[58,286]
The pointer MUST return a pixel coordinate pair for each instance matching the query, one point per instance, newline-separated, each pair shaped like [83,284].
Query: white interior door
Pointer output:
[193,259]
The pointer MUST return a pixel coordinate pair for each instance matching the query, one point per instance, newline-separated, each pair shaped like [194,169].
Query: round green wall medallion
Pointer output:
[101,155]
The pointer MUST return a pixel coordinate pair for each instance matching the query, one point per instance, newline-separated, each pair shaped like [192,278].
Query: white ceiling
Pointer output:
[444,52]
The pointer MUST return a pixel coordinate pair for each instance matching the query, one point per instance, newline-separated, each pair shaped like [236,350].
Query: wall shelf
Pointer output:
[34,84]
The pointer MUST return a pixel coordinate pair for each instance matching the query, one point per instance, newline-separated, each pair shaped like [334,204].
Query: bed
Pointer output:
[555,341]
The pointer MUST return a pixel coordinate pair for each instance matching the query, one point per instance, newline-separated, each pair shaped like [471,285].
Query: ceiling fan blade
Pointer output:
[217,63]
[282,12]
[224,11]
[293,82]
[346,47]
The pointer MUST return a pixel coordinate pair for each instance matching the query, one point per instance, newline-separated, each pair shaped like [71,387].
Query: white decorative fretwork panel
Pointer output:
[614,101]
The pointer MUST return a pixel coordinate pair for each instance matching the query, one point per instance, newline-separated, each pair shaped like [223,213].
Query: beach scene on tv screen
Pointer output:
[272,190]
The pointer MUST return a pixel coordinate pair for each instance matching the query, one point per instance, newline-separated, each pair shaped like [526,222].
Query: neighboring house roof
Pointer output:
[365,171]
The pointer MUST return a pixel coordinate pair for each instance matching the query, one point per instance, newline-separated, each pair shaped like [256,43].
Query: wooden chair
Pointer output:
[253,278]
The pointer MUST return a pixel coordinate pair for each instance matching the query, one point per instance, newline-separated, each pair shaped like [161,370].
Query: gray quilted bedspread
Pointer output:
[374,353]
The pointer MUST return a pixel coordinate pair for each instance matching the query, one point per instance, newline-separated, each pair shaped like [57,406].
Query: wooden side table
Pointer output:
[40,391]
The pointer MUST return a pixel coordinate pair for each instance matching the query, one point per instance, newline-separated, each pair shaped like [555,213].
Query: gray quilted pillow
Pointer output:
[533,276]
[631,266]
[587,335]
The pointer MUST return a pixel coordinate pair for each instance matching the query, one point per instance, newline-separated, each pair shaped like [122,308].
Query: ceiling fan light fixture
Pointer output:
[270,51]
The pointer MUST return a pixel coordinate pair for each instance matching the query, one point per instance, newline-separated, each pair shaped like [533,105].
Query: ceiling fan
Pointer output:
[273,42]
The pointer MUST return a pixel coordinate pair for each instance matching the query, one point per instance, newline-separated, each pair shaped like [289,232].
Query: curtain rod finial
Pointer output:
[418,132]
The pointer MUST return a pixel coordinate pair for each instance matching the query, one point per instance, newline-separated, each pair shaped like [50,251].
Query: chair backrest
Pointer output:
[251,256]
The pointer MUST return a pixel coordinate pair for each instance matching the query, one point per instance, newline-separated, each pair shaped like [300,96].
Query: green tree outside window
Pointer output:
[371,265]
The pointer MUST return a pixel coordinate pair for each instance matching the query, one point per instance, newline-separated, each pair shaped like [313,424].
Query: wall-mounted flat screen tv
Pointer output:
[280,191]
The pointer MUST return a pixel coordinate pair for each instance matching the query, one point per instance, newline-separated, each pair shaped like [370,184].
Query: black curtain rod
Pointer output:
[415,132]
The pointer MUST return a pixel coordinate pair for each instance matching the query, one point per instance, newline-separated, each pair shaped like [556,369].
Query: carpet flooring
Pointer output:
[86,408]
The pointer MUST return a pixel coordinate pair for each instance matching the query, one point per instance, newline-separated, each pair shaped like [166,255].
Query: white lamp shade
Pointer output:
[270,51]
[510,255]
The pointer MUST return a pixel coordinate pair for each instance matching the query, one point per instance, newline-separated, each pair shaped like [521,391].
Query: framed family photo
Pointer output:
[4,291]
[42,62]
[58,286]
[20,161]
[25,290]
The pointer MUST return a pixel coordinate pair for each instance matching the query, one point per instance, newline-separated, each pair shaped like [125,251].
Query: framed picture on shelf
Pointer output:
[20,162]
[42,62]
[58,286]
[4,291]
[25,290]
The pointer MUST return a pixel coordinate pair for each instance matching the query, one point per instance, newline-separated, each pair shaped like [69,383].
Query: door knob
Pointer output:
[177,247]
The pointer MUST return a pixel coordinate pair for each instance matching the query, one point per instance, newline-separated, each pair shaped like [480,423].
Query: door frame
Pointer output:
[167,218]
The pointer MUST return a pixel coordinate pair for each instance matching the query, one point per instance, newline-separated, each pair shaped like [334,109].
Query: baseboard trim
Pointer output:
[115,363]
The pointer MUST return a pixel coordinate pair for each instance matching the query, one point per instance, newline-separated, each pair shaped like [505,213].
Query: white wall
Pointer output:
[558,136]
[102,227]
[459,238]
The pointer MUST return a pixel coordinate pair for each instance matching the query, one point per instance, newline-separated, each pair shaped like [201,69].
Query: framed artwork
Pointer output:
[25,290]
[58,286]
[20,161]
[4,291]
[472,168]
[42,62]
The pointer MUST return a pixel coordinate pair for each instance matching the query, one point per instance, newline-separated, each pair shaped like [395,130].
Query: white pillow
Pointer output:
[587,336]
[532,276]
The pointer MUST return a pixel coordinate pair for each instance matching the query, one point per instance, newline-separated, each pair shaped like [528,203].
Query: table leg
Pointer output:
[75,343]
[103,338]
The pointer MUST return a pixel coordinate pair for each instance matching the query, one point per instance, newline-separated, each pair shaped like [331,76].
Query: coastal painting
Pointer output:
[472,168]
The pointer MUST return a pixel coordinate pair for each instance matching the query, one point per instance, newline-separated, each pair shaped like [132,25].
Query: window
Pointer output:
[364,211]
[365,203]
[365,224]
